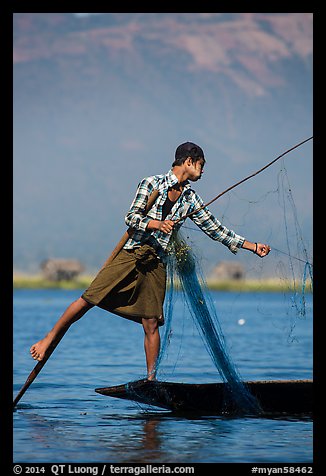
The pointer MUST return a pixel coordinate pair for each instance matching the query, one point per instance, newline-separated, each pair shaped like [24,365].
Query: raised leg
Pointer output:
[72,314]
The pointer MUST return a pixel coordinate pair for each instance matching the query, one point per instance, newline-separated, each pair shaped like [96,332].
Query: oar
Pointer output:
[38,367]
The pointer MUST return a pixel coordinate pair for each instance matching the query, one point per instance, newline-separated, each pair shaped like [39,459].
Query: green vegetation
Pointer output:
[255,285]
[38,282]
[247,285]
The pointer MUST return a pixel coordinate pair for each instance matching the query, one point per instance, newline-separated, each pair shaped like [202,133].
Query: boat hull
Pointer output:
[274,396]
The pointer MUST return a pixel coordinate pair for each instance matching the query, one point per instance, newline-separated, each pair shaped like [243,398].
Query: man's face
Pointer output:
[196,170]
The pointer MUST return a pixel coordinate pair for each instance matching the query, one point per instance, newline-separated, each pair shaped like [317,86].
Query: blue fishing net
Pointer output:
[185,274]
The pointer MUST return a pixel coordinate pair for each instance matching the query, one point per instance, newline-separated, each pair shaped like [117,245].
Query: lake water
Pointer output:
[62,419]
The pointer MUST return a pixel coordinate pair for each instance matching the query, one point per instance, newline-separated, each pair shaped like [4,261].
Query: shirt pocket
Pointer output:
[182,209]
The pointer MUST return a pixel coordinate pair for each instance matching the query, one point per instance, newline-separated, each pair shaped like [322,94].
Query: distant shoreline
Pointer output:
[243,285]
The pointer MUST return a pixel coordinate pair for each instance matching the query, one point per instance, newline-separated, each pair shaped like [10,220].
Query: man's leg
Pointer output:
[151,345]
[72,314]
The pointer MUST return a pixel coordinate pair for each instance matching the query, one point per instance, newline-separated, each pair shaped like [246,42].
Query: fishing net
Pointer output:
[290,262]
[299,267]
[185,274]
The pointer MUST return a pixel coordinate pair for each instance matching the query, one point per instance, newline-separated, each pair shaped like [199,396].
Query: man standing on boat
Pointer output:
[132,285]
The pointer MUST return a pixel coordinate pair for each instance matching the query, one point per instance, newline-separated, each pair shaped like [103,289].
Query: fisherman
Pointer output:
[133,284]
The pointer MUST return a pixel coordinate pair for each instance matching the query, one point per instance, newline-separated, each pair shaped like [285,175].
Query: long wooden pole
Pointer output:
[38,367]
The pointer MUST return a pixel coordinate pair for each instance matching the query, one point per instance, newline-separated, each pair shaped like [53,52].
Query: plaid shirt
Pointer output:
[188,201]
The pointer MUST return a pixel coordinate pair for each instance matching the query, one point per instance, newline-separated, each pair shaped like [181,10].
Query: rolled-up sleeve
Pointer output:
[214,228]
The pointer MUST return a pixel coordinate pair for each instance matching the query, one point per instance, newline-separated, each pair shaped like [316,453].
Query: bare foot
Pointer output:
[39,349]
[151,376]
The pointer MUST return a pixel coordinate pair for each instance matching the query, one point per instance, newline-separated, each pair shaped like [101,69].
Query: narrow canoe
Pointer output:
[274,396]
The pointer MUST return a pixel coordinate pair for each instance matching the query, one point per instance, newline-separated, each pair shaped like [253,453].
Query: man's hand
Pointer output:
[164,226]
[259,249]
[262,250]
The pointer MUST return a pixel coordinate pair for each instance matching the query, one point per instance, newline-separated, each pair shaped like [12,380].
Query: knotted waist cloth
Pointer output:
[131,286]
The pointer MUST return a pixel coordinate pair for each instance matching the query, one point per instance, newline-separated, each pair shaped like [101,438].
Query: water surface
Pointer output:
[62,419]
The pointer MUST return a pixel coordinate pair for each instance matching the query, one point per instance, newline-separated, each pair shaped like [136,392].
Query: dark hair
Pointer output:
[188,149]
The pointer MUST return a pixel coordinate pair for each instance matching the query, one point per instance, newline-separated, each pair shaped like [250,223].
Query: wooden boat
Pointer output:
[274,396]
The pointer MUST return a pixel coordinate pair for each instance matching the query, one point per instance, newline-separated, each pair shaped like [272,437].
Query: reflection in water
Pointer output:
[162,437]
[151,441]
[152,437]
[136,439]
[147,443]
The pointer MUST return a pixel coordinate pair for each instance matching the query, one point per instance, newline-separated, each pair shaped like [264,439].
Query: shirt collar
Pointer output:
[171,180]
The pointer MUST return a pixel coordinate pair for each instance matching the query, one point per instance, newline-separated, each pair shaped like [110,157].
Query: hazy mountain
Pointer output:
[101,101]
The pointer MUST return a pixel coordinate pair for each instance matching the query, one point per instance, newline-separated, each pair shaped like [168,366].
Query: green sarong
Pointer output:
[131,286]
